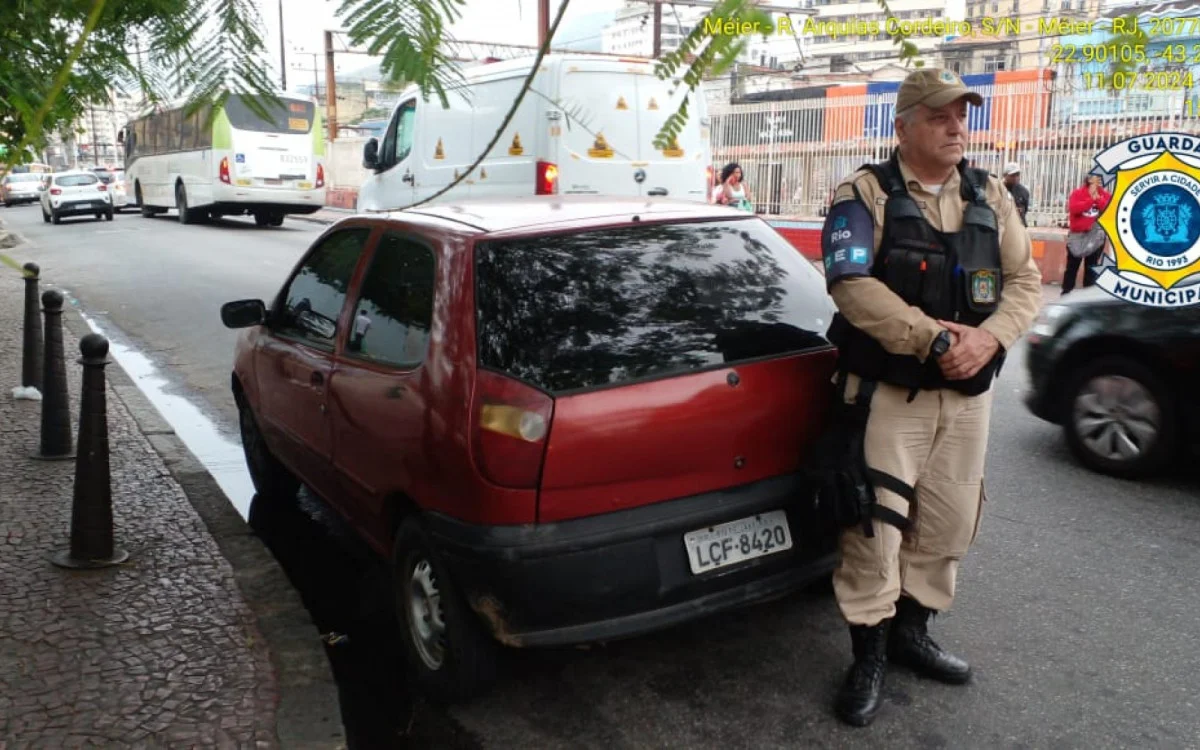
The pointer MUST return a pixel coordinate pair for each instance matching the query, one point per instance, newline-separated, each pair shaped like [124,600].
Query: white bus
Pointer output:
[228,163]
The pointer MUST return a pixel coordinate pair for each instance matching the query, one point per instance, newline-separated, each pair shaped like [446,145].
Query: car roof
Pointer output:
[578,211]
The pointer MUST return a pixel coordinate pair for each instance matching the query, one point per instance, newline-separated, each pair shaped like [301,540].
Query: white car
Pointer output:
[20,187]
[118,188]
[76,193]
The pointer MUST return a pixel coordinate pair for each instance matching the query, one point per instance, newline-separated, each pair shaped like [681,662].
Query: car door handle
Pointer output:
[407,178]
[316,378]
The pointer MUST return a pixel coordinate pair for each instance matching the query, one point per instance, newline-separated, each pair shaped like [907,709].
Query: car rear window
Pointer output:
[75,180]
[23,177]
[599,308]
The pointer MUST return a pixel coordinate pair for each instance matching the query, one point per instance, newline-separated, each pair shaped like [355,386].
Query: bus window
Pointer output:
[295,116]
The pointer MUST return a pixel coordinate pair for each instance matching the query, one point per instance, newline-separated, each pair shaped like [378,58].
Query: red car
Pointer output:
[563,419]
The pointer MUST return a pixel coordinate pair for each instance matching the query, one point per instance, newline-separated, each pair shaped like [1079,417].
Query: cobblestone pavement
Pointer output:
[161,651]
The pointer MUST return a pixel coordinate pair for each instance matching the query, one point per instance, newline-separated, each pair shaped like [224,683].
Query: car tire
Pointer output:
[275,220]
[111,213]
[261,219]
[1120,418]
[45,216]
[272,480]
[54,217]
[451,657]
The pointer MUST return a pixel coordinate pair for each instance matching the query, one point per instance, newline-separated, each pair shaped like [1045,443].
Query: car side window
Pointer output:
[391,322]
[313,300]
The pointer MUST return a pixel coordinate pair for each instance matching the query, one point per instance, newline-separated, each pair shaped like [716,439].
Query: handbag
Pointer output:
[1083,244]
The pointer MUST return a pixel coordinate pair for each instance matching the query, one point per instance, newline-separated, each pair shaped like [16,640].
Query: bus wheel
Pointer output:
[186,216]
[146,210]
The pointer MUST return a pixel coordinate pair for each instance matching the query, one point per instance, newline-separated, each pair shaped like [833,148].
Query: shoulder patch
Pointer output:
[848,241]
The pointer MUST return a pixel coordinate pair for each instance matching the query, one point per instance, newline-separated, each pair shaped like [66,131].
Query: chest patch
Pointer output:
[983,287]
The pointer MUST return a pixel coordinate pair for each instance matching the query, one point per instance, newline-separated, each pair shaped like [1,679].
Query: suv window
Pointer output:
[571,311]
[313,299]
[395,309]
[75,180]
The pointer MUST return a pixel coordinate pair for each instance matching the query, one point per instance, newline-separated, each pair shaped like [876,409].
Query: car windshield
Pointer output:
[75,180]
[571,311]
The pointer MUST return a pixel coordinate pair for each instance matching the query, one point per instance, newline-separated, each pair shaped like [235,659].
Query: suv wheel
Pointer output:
[451,657]
[1120,420]
[272,481]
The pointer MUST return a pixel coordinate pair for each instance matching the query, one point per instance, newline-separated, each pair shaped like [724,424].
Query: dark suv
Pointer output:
[1122,379]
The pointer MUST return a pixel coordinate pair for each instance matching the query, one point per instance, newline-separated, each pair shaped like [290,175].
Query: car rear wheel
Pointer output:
[272,480]
[1120,418]
[45,216]
[54,217]
[451,657]
[111,212]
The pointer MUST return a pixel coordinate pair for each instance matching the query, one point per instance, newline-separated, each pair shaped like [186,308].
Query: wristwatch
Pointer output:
[941,344]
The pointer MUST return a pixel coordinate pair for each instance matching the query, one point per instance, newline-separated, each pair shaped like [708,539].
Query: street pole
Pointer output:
[543,21]
[95,151]
[657,29]
[282,58]
[330,88]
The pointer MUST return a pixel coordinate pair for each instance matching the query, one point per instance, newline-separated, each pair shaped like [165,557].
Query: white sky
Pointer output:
[510,21]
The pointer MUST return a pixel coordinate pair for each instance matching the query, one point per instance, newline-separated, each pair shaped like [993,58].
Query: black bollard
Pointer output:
[56,407]
[91,508]
[31,363]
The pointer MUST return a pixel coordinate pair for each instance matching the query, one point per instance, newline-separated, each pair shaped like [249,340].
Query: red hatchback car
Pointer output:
[563,419]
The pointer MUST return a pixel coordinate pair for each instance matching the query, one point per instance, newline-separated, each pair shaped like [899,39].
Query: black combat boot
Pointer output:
[910,645]
[859,698]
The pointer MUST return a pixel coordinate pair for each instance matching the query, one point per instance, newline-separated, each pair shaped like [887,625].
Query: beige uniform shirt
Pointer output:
[869,305]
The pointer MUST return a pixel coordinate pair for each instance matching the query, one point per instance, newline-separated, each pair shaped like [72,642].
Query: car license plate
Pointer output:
[272,181]
[305,186]
[737,541]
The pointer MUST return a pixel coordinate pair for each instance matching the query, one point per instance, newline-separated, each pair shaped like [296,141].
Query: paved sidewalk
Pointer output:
[162,651]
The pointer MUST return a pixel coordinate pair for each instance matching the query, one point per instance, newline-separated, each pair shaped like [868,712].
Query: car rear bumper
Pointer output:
[625,573]
[21,198]
[68,208]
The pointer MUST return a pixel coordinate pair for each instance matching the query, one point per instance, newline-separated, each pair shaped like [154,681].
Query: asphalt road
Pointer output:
[1077,605]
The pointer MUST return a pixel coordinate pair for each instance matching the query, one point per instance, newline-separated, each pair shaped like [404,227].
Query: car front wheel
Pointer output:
[1120,419]
[451,657]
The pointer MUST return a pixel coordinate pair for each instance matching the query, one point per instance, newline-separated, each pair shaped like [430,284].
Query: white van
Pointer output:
[586,126]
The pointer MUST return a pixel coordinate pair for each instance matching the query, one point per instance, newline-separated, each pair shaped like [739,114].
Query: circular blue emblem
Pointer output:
[1165,220]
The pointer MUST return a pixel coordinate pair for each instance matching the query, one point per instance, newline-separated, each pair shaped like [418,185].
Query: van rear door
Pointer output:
[599,139]
[679,170]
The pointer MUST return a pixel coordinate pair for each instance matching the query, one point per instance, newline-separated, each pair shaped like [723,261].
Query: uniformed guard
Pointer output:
[932,273]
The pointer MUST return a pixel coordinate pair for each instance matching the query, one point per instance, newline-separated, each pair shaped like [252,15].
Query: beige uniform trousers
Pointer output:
[936,443]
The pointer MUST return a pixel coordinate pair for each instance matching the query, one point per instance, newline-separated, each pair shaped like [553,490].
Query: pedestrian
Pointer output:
[933,276]
[1085,240]
[733,191]
[1020,194]
[362,324]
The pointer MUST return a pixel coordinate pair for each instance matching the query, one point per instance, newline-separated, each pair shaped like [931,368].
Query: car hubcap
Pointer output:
[424,613]
[1117,418]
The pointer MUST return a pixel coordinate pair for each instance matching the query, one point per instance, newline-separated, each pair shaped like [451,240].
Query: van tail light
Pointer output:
[547,178]
[225,171]
[511,422]
[102,187]
[320,175]
[55,191]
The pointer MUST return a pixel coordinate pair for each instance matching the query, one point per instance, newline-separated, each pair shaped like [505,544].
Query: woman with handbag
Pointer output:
[1085,241]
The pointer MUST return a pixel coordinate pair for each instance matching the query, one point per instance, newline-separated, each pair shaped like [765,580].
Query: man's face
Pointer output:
[1013,178]
[935,137]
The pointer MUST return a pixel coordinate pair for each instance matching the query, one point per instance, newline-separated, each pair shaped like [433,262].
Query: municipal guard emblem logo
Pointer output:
[983,287]
[947,76]
[1153,220]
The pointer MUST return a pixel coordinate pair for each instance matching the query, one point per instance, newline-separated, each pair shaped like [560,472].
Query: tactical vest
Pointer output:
[948,275]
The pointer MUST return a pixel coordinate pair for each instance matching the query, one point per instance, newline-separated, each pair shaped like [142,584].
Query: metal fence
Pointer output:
[794,153]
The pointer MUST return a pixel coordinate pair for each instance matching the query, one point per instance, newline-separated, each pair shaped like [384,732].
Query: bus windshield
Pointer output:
[296,116]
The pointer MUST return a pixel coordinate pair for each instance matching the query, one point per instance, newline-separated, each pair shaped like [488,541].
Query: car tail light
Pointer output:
[320,175]
[225,171]
[547,178]
[102,187]
[55,191]
[510,424]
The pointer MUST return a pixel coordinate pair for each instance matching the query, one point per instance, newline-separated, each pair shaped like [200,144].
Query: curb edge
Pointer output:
[308,714]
